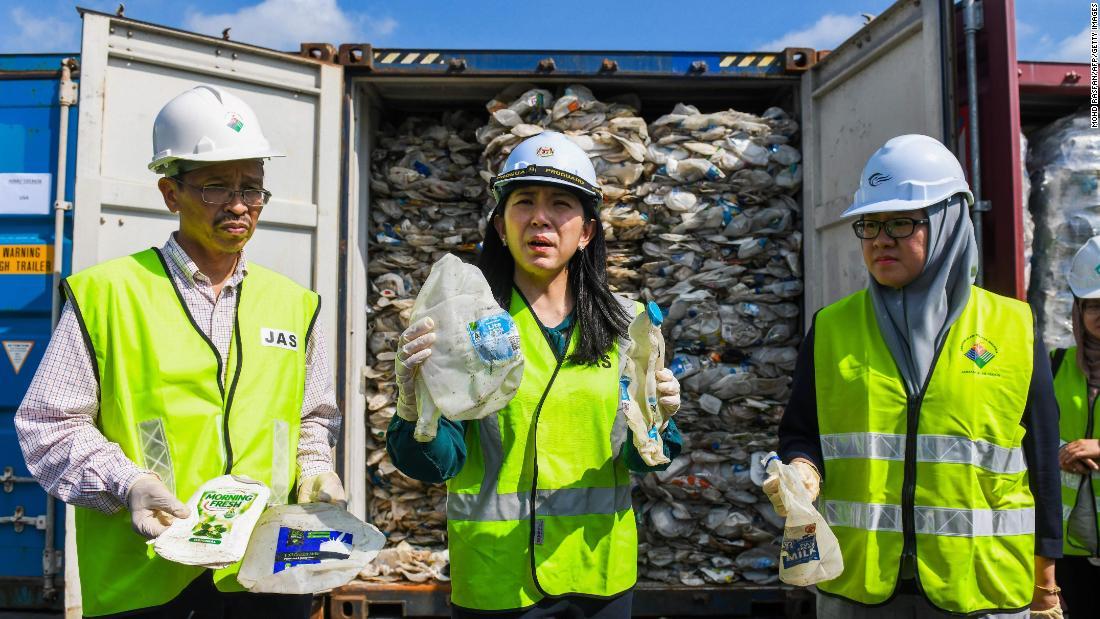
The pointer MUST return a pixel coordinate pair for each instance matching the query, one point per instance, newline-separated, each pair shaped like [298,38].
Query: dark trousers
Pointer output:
[202,600]
[1080,583]
[569,606]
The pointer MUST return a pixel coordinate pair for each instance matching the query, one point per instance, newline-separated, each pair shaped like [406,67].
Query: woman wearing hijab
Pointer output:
[926,405]
[1076,385]
[539,517]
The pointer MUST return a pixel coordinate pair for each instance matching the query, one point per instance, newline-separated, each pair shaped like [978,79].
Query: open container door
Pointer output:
[886,80]
[130,69]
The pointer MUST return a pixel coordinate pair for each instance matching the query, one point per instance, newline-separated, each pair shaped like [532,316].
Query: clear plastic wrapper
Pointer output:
[1064,162]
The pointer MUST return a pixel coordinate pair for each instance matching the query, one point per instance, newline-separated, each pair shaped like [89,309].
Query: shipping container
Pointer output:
[31,523]
[899,74]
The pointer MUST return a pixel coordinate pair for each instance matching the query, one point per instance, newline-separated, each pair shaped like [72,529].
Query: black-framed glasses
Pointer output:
[897,228]
[216,195]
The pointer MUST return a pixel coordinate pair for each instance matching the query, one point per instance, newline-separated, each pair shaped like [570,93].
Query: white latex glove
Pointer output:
[323,488]
[1054,612]
[413,349]
[810,478]
[153,507]
[668,393]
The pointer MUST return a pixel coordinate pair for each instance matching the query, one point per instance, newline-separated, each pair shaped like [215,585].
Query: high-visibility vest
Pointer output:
[559,449]
[171,406]
[1076,420]
[935,480]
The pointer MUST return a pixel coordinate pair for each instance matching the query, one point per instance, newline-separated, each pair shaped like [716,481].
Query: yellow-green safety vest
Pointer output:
[1076,420]
[170,405]
[559,449]
[935,480]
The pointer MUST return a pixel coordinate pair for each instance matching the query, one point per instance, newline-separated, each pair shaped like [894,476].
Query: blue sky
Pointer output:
[1046,29]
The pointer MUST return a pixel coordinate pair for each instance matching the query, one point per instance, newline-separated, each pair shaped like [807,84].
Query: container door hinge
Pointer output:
[67,94]
[973,15]
[20,519]
[9,479]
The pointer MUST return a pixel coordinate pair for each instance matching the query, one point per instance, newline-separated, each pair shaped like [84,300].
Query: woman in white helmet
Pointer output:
[922,409]
[1076,384]
[539,514]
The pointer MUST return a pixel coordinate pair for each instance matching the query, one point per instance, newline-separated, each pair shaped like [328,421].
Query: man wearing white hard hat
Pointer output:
[923,412]
[176,365]
[1076,384]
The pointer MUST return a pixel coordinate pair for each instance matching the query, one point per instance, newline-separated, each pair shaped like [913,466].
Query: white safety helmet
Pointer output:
[1084,272]
[548,157]
[908,173]
[206,124]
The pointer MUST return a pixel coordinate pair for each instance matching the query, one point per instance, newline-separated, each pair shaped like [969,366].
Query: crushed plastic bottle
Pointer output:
[639,386]
[476,364]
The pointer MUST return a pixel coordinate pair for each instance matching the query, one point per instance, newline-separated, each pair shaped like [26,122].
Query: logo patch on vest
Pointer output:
[278,339]
[979,350]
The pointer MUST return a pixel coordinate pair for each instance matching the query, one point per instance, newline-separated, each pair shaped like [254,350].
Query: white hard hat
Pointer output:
[1084,272]
[548,157]
[206,124]
[908,173]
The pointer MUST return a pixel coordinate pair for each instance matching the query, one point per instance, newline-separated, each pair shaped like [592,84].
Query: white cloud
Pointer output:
[826,33]
[27,33]
[283,24]
[1074,48]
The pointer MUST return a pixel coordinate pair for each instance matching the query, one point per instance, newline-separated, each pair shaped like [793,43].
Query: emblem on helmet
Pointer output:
[545,151]
[878,178]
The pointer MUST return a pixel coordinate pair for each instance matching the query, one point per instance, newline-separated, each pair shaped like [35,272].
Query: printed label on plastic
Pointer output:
[494,338]
[800,550]
[216,511]
[298,547]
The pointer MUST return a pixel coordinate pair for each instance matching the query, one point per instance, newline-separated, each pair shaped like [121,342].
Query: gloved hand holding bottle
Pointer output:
[323,488]
[811,479]
[413,349]
[152,506]
[668,394]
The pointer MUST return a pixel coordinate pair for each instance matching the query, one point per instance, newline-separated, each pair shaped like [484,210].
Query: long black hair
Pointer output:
[597,314]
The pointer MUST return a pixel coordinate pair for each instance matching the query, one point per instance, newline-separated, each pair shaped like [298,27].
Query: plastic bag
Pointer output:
[810,552]
[639,385]
[224,511]
[307,548]
[476,364]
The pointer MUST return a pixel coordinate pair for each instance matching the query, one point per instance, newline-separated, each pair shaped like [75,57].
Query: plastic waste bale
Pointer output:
[427,199]
[722,256]
[476,364]
[713,238]
[307,548]
[224,511]
[1064,161]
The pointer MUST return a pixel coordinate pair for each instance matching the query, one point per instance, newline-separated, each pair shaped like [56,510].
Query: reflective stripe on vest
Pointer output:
[932,520]
[913,472]
[581,537]
[930,448]
[1075,422]
[168,402]
[517,505]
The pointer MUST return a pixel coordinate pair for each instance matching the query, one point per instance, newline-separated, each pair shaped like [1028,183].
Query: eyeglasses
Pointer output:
[898,228]
[220,196]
